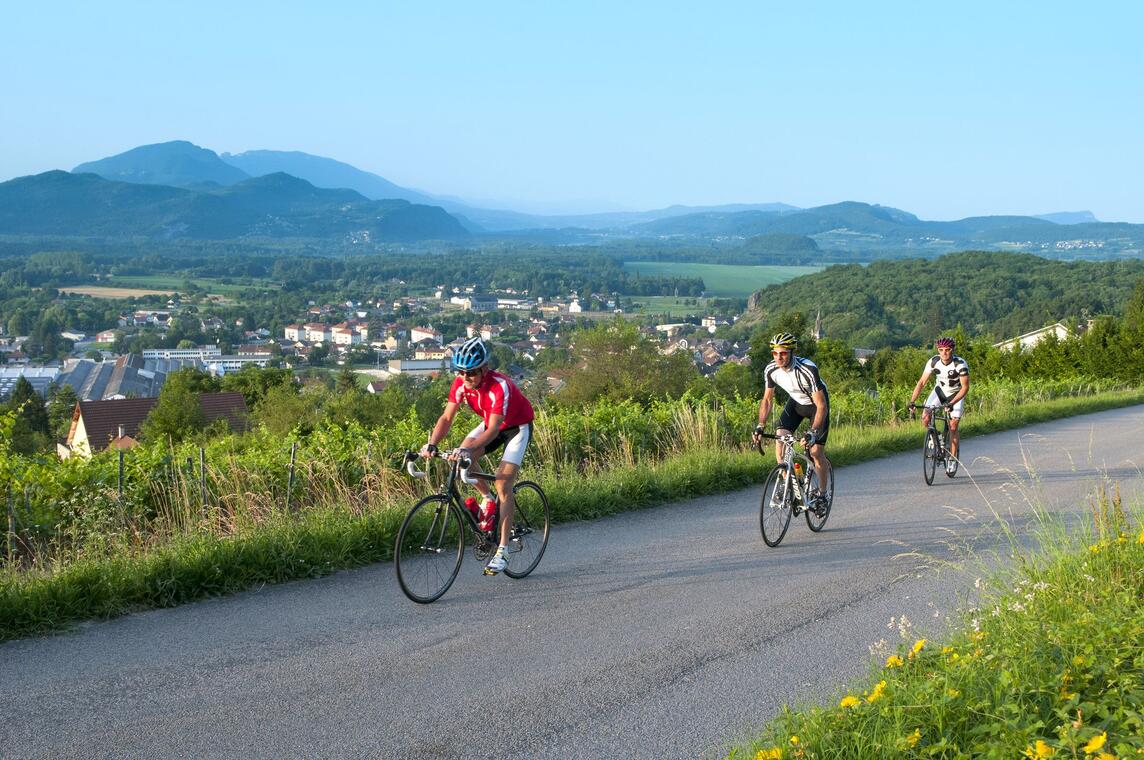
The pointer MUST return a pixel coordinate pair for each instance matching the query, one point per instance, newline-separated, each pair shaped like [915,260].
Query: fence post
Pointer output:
[11,526]
[290,480]
[202,477]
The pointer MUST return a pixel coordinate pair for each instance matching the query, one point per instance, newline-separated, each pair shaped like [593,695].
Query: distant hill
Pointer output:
[323,172]
[889,303]
[276,206]
[178,163]
[853,226]
[1069,217]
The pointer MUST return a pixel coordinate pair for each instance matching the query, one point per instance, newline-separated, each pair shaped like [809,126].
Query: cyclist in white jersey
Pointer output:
[808,400]
[952,375]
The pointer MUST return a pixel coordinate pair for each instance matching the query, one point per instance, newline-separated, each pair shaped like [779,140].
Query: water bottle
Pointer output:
[798,470]
[473,507]
[488,518]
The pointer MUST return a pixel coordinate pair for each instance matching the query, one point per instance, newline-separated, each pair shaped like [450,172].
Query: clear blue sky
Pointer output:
[960,110]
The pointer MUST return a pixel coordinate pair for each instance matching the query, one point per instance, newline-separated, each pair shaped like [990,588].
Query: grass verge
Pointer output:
[317,542]
[1050,664]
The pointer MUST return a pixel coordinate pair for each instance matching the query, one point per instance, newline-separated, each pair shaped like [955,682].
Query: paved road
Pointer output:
[667,633]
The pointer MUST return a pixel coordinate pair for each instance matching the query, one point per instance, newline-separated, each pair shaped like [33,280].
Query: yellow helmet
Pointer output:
[784,340]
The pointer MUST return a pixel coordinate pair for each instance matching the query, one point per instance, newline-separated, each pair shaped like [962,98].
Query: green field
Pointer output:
[723,280]
[174,282]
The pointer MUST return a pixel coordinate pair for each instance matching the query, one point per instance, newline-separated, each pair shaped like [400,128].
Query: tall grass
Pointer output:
[347,488]
[1049,662]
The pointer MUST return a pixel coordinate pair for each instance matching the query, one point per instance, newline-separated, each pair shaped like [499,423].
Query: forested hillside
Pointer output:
[893,303]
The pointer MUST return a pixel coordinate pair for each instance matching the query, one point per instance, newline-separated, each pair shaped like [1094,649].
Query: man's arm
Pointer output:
[918,388]
[492,429]
[765,406]
[821,409]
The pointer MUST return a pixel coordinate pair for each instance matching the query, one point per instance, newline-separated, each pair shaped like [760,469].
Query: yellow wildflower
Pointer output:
[1095,743]
[1095,548]
[914,738]
[1078,660]
[946,650]
[1106,756]
[773,753]
[918,645]
[893,661]
[953,693]
[794,739]
[1039,750]
[1140,538]
[876,694]
[849,701]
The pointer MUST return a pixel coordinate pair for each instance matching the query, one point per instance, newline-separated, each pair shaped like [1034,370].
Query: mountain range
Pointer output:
[177,189]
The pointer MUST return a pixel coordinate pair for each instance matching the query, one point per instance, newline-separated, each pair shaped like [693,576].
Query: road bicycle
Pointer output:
[431,541]
[785,492]
[935,446]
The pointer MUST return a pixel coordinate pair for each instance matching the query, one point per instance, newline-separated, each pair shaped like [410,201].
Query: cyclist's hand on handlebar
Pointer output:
[948,407]
[463,455]
[757,436]
[810,438]
[428,450]
[913,409]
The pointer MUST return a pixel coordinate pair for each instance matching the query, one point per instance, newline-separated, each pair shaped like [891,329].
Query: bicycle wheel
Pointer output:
[775,508]
[950,459]
[530,527]
[427,554]
[817,520]
[931,452]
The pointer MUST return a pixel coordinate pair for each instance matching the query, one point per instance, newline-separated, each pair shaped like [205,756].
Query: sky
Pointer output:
[943,110]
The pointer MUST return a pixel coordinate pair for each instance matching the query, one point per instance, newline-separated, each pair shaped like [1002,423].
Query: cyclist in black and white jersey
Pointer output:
[808,400]
[952,375]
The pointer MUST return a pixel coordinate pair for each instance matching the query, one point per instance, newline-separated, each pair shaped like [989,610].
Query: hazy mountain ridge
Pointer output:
[277,205]
[178,163]
[302,195]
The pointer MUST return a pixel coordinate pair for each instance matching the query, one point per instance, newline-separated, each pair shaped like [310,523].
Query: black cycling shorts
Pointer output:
[793,415]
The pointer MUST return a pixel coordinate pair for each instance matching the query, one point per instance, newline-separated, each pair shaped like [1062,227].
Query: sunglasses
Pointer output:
[780,353]
[469,372]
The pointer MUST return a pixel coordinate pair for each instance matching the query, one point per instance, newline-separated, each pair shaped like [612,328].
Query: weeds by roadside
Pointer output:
[1049,663]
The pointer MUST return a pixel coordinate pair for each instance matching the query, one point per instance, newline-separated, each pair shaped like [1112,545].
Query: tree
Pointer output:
[61,406]
[347,381]
[176,416]
[614,360]
[837,366]
[31,430]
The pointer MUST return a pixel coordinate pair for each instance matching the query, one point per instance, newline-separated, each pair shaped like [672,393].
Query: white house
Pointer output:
[418,334]
[1031,339]
[316,332]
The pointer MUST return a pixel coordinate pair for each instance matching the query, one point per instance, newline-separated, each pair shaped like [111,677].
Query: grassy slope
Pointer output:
[1045,666]
[320,542]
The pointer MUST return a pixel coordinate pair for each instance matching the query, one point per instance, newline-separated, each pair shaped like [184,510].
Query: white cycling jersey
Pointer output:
[800,381]
[948,375]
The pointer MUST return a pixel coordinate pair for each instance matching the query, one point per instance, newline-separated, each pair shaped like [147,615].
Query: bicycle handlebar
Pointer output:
[465,464]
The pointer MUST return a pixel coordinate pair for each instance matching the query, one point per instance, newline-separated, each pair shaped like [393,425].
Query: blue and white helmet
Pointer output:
[471,354]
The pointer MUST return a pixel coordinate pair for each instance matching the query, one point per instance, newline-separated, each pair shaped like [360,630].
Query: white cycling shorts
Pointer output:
[933,400]
[513,447]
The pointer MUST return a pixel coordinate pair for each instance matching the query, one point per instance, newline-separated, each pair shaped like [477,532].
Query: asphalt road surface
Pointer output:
[667,633]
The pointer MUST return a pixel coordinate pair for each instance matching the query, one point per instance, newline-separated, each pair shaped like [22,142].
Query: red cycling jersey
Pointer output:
[495,395]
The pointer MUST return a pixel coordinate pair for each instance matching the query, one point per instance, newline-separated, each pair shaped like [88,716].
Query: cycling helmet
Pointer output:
[784,340]
[944,342]
[471,354]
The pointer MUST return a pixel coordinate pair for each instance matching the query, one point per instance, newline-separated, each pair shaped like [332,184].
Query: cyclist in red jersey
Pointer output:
[506,420]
